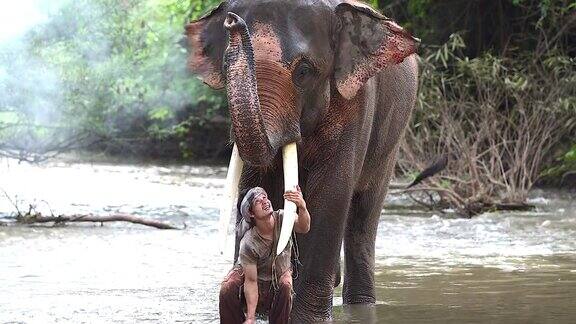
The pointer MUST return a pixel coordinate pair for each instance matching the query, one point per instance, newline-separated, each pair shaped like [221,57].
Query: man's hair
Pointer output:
[246,205]
[241,196]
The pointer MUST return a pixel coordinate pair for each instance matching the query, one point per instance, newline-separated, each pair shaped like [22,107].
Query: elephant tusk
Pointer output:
[230,195]
[290,159]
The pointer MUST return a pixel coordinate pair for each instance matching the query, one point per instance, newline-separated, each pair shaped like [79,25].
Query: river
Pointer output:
[517,267]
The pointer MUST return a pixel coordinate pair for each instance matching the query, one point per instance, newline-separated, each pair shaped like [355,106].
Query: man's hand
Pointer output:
[296,197]
[302,221]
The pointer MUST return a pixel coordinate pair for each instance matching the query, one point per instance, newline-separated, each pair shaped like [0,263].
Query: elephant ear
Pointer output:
[368,42]
[206,40]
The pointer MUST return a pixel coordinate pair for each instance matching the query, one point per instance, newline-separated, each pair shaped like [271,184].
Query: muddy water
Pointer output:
[498,268]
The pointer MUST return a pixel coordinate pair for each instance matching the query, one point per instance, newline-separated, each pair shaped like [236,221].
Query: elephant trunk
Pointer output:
[254,144]
[247,123]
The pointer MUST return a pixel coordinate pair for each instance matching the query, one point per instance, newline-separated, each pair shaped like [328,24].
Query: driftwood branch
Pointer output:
[39,219]
[32,216]
[464,208]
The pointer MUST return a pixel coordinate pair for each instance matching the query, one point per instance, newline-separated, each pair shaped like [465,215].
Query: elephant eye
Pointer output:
[303,73]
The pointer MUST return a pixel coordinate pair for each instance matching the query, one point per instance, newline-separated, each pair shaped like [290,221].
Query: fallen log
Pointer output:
[465,208]
[61,219]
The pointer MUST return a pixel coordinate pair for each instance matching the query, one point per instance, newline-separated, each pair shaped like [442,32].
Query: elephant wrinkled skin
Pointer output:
[340,80]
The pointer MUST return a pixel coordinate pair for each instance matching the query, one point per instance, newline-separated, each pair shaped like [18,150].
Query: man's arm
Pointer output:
[251,291]
[302,221]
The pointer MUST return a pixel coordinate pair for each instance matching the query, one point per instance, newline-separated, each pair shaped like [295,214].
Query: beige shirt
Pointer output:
[255,249]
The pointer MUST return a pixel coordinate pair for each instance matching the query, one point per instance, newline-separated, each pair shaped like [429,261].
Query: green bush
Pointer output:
[118,81]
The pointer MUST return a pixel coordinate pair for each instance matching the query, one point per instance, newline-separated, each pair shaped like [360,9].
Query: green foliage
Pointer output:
[197,8]
[564,164]
[503,27]
[120,74]
[112,72]
[419,8]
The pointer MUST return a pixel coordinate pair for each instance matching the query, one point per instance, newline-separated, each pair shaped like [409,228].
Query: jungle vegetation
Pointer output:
[497,92]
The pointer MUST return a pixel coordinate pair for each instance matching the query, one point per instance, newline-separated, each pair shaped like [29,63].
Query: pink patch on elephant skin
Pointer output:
[276,90]
[393,50]
[369,43]
[266,43]
[198,61]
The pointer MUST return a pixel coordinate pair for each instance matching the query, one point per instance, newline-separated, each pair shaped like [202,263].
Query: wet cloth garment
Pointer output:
[276,303]
[255,249]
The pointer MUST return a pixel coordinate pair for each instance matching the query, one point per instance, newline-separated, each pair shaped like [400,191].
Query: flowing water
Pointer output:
[515,267]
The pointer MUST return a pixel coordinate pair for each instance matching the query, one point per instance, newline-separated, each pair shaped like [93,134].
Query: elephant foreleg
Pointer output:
[359,246]
[320,248]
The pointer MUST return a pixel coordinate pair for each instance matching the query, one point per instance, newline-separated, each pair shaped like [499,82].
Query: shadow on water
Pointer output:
[501,268]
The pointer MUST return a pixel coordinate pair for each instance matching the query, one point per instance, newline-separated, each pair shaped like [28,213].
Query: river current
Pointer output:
[514,267]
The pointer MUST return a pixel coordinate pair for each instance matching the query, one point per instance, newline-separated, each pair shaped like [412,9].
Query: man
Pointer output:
[265,277]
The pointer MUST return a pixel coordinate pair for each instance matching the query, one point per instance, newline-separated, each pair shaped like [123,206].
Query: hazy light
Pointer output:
[17,17]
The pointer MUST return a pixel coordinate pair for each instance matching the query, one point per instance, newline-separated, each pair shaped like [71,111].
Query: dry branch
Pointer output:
[497,121]
[32,216]
[39,219]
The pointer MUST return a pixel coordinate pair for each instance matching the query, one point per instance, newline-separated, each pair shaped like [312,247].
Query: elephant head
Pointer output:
[281,60]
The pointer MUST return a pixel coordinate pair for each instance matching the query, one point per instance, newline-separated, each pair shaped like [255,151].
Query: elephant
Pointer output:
[337,78]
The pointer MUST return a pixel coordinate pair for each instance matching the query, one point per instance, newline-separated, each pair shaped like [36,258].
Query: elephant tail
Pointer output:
[436,166]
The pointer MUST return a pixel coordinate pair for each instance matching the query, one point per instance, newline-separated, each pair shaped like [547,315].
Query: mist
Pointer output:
[103,75]
[17,17]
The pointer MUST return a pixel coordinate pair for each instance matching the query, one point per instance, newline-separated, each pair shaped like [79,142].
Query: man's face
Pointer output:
[261,206]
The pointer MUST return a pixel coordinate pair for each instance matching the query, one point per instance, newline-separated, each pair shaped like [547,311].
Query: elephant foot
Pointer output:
[312,304]
[308,313]
[358,298]
[300,318]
